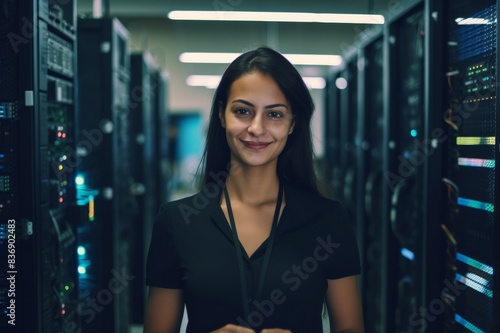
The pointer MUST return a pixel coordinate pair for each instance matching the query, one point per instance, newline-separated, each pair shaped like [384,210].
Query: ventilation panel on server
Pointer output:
[470,182]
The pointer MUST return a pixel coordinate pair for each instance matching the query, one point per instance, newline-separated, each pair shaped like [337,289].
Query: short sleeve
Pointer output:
[163,265]
[341,244]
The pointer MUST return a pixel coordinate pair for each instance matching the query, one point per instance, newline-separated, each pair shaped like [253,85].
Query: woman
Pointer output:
[294,249]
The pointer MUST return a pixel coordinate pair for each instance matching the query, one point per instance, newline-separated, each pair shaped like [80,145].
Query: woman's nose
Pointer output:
[256,126]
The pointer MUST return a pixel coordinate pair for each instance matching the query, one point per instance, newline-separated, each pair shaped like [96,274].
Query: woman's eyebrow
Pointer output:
[266,107]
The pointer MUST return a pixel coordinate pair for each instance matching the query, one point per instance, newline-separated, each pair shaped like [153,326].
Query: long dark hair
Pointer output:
[295,163]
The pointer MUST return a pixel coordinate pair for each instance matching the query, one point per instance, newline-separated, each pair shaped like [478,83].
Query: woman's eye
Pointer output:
[275,114]
[241,112]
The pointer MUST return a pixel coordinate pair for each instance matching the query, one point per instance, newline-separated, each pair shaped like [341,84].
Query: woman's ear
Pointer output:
[292,126]
[222,115]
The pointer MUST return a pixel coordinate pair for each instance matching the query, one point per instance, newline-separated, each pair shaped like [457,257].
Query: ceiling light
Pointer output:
[208,81]
[314,59]
[315,82]
[226,58]
[212,81]
[275,17]
[208,57]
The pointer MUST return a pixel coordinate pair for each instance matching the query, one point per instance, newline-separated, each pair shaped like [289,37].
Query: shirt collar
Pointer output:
[295,213]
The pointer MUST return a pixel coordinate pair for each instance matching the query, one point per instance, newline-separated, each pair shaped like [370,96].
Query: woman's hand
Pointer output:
[230,328]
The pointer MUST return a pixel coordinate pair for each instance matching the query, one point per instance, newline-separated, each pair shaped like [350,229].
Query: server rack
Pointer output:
[470,170]
[354,146]
[38,280]
[413,155]
[435,140]
[143,169]
[406,113]
[103,178]
[350,145]
[349,133]
[162,123]
[439,160]
[331,172]
[378,242]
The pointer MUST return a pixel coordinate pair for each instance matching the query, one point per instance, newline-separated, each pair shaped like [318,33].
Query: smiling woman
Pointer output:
[258,249]
[257,120]
[265,65]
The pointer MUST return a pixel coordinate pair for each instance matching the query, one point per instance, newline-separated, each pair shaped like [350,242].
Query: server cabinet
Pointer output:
[143,169]
[406,114]
[431,314]
[412,151]
[350,145]
[349,132]
[332,169]
[372,195]
[38,279]
[103,178]
[471,177]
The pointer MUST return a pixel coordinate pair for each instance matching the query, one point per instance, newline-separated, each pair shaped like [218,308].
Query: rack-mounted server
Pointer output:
[471,124]
[143,148]
[378,246]
[393,132]
[103,181]
[38,279]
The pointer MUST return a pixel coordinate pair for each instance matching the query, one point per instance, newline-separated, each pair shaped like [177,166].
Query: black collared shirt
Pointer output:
[192,249]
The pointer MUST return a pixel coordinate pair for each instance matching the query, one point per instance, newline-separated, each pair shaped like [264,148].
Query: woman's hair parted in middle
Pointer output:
[295,163]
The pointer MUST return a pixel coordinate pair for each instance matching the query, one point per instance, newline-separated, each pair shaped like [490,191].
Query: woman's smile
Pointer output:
[255,145]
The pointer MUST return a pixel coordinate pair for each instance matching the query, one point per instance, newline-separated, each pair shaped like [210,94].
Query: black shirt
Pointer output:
[192,249]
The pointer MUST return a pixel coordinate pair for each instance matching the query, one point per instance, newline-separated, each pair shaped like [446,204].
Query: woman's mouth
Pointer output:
[255,145]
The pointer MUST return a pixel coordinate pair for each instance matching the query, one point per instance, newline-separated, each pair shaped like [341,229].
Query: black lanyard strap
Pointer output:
[267,255]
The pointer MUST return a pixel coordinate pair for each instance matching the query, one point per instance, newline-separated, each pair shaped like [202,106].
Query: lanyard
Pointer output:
[267,255]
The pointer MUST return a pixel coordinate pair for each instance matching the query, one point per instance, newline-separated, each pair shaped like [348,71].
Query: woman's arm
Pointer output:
[164,310]
[344,306]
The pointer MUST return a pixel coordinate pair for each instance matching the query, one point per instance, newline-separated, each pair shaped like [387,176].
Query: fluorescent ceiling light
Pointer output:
[275,17]
[212,81]
[226,58]
[315,82]
[314,59]
[208,81]
[208,57]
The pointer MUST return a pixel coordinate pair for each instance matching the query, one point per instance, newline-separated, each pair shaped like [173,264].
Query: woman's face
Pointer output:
[257,119]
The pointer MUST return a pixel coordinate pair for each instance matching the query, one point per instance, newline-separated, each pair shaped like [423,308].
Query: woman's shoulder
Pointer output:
[314,201]
[173,205]
[186,209]
[312,210]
